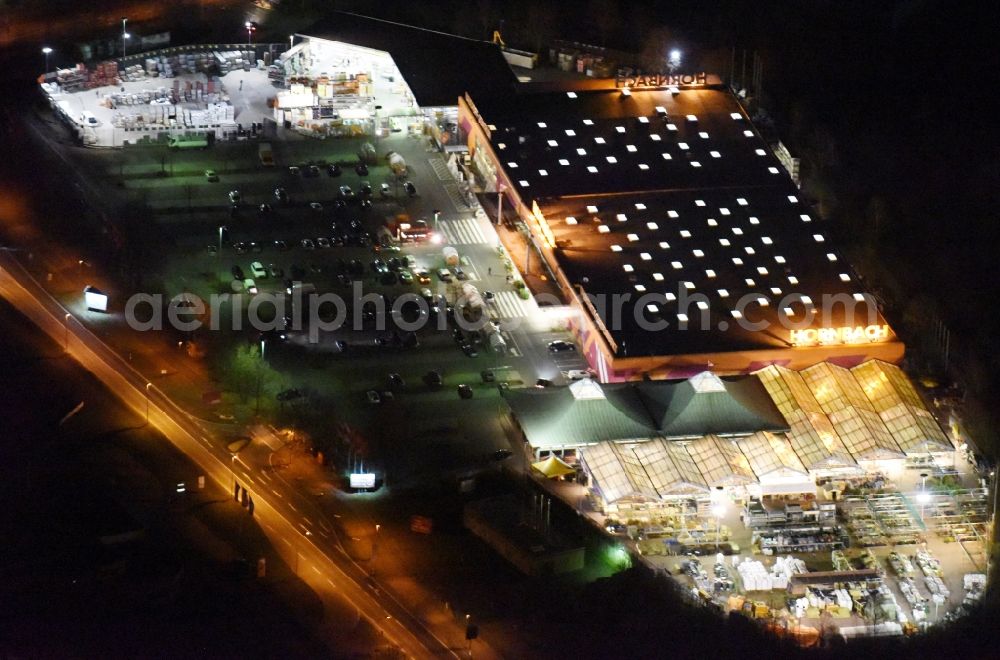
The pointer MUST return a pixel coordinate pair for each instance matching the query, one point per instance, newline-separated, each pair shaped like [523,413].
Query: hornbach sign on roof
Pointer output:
[657,80]
[861,334]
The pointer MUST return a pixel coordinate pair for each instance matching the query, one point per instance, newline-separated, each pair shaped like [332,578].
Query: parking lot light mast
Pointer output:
[148,385]
[46,51]
[125,36]
[249,27]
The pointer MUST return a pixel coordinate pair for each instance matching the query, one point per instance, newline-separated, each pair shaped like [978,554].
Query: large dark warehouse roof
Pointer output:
[438,67]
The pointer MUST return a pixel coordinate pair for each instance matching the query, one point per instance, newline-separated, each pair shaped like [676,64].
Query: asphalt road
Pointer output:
[324,568]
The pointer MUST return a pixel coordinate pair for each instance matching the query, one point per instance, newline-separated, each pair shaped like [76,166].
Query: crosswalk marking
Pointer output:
[441,169]
[457,199]
[463,231]
[510,305]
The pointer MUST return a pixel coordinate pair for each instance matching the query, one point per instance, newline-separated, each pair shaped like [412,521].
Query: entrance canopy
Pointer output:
[552,467]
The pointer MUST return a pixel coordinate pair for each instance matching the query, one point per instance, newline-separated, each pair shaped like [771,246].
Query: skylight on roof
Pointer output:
[616,248]
[633,237]
[524,183]
[760,152]
[664,245]
[736,115]
[599,140]
[844,277]
[742,201]
[592,169]
[710,273]
[655,137]
[588,122]
[612,159]
[676,265]
[572,95]
[671,127]
[512,165]
[695,163]
[658,277]
[620,129]
[712,222]
[570,132]
[831,256]
[724,211]
[748,133]
[563,161]
[715,154]
[699,202]
[698,253]
[666,156]
[723,293]
[553,143]
[766,240]
[591,209]
[543,172]
[683,145]
[645,256]
[805,217]
[691,118]
[630,148]
[542,124]
[818,238]
[628,268]
[672,214]
[643,120]
[580,151]
[652,225]
[621,217]
[603,229]
[703,135]
[685,233]
[773,170]
[570,220]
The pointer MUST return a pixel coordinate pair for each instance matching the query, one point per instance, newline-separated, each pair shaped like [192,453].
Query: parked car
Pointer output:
[396,382]
[577,374]
[294,170]
[379,267]
[316,206]
[240,247]
[281,246]
[470,350]
[346,193]
[373,397]
[237,273]
[385,190]
[560,346]
[323,242]
[307,244]
[234,197]
[464,391]
[444,275]
[333,170]
[312,171]
[405,277]
[433,379]
[264,209]
[211,176]
[366,189]
[459,273]
[361,169]
[257,270]
[281,194]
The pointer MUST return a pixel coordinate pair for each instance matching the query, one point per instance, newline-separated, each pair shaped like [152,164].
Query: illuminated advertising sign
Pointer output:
[862,334]
[363,480]
[659,80]
[95,299]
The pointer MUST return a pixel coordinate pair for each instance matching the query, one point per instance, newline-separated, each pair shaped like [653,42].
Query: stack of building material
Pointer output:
[755,577]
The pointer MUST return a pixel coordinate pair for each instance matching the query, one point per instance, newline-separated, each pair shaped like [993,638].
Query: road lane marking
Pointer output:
[318,572]
[277,493]
[307,520]
[293,507]
[249,477]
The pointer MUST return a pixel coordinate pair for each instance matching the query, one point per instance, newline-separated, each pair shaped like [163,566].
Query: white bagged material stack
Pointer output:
[755,577]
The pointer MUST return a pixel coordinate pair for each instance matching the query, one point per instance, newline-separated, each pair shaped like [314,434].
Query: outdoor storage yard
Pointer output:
[891,557]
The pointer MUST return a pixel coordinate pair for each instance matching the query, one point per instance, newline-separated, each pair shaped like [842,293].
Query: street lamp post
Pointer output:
[46,51]
[148,385]
[923,497]
[222,228]
[66,331]
[249,26]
